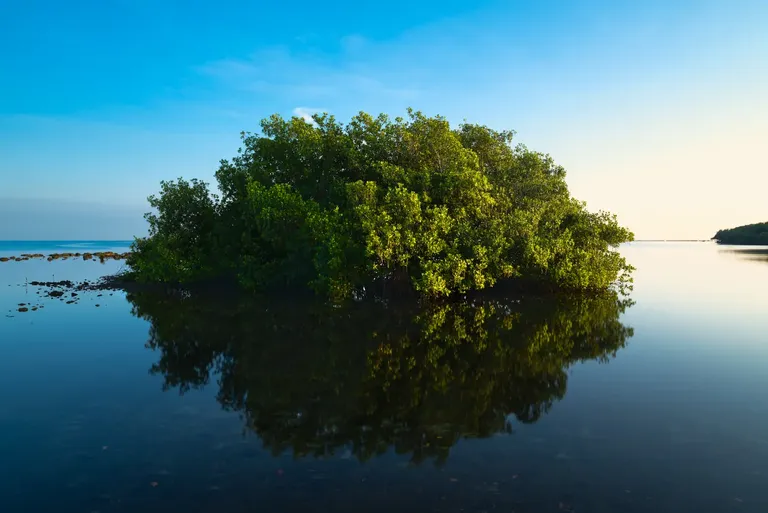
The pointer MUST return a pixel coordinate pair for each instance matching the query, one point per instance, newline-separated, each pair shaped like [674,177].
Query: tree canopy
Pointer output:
[751,234]
[345,208]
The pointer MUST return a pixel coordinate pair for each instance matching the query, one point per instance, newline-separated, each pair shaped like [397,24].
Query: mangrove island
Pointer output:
[378,203]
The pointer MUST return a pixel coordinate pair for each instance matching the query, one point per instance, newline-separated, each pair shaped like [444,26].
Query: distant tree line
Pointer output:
[751,234]
[346,209]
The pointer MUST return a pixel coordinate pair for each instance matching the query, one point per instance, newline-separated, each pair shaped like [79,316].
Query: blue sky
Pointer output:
[657,109]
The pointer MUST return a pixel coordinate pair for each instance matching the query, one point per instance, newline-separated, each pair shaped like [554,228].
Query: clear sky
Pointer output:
[657,109]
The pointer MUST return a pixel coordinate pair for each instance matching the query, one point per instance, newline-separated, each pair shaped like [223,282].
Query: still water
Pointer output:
[156,404]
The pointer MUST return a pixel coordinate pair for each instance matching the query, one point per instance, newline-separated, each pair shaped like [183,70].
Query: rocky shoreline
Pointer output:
[69,292]
[101,256]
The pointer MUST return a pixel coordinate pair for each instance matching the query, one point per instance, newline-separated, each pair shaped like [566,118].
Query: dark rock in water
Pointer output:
[23,309]
[22,304]
[34,308]
[65,284]
[98,305]
[4,259]
[69,292]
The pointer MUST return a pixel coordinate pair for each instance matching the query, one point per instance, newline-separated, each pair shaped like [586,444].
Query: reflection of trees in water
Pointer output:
[312,378]
[754,254]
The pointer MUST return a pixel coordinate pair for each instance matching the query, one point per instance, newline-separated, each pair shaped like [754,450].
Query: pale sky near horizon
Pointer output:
[658,109]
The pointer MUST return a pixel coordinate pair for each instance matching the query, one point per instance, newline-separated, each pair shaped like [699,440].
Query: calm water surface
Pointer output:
[148,403]
[16,247]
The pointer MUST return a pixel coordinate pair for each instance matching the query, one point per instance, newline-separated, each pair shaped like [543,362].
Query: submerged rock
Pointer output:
[101,255]
[64,283]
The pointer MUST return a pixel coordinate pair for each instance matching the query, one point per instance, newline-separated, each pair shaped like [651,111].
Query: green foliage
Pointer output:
[342,208]
[751,234]
[181,235]
[314,378]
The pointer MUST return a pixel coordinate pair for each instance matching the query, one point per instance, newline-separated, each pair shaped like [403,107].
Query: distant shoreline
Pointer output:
[51,241]
[95,255]
[747,235]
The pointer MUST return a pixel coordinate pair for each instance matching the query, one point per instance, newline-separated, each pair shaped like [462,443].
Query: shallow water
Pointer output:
[16,247]
[149,403]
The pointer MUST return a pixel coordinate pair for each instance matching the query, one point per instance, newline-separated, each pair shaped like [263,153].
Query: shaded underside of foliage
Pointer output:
[751,234]
[314,378]
[346,209]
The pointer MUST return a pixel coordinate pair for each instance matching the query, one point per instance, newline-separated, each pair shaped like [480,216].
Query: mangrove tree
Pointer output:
[346,208]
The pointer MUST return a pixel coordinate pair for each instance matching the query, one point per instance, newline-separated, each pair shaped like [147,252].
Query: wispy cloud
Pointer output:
[300,77]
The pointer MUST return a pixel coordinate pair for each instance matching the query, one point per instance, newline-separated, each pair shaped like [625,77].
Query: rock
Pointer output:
[4,259]
[23,309]
[65,283]
[55,293]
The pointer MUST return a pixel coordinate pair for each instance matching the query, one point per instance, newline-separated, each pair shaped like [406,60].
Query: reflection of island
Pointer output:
[313,378]
[756,254]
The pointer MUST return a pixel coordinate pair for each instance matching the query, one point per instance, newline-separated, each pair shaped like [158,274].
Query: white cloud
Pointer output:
[306,113]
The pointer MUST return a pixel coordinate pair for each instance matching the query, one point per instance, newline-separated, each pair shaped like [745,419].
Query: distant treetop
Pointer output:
[751,234]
